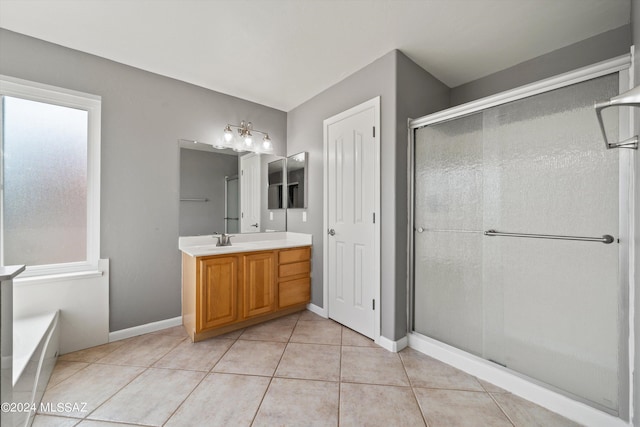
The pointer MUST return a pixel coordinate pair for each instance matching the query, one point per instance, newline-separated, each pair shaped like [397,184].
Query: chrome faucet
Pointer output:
[223,239]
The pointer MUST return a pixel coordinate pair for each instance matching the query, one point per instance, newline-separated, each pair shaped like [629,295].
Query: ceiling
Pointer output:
[281,53]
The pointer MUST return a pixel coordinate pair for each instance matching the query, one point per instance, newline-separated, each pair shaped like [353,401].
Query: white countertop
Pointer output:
[248,242]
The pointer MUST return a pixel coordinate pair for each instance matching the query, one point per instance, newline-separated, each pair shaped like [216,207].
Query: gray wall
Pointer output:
[202,175]
[304,133]
[418,94]
[387,77]
[587,52]
[143,116]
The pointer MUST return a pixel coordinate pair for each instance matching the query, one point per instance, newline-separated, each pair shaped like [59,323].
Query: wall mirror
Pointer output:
[297,181]
[275,192]
[211,183]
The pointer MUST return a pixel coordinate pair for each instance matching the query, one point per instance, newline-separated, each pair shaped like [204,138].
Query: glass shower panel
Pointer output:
[546,309]
[232,205]
[448,241]
[551,306]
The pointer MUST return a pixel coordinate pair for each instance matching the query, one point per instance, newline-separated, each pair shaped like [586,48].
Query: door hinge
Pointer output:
[373,304]
[374,131]
[374,217]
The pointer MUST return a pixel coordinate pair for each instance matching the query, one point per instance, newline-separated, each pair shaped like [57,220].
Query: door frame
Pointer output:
[375,104]
[511,381]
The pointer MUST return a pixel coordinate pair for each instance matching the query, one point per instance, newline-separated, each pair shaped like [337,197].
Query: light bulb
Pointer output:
[248,140]
[228,133]
[266,143]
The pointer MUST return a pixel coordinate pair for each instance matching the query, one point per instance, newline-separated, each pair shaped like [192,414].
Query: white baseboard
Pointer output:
[318,310]
[393,346]
[476,366]
[144,329]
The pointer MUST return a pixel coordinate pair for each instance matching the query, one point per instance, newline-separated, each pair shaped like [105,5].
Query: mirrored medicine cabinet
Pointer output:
[288,182]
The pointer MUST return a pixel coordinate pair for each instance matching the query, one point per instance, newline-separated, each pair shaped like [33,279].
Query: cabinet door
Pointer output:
[294,292]
[218,291]
[259,284]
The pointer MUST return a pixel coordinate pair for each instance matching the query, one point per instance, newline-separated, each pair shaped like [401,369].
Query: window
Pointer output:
[50,204]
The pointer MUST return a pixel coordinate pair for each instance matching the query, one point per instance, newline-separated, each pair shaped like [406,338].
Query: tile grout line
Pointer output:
[413,391]
[146,368]
[210,371]
[89,364]
[206,374]
[63,380]
[340,374]
[86,417]
[78,361]
[98,362]
[273,375]
[499,406]
[134,378]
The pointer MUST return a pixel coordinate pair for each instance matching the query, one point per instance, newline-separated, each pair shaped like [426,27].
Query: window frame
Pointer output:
[24,89]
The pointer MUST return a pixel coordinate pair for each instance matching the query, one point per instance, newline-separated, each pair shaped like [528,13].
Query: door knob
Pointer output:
[419,229]
[255,225]
[331,232]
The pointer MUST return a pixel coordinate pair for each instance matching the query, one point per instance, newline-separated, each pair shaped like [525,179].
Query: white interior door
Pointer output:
[351,203]
[250,193]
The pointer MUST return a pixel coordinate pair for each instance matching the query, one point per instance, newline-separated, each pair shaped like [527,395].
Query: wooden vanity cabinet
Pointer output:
[259,284]
[222,293]
[294,281]
[218,296]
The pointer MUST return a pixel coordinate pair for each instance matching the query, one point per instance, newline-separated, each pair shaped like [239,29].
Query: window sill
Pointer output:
[48,278]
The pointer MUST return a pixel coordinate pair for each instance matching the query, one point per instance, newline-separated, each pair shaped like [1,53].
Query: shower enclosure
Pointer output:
[231,204]
[519,233]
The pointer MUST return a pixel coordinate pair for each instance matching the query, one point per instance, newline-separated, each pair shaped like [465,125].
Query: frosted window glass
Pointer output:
[45,183]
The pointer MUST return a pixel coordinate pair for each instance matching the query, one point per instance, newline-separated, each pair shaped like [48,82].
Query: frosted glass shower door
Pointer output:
[448,238]
[547,309]
[547,172]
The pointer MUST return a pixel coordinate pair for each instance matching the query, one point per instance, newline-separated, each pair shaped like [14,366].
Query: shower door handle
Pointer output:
[606,239]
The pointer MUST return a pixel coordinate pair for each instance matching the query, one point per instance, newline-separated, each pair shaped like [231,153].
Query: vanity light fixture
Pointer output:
[244,141]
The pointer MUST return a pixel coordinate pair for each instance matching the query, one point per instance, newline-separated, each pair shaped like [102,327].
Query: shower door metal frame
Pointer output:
[624,66]
[226,202]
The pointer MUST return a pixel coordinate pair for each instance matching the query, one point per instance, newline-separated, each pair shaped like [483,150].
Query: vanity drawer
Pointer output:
[294,269]
[294,255]
[294,292]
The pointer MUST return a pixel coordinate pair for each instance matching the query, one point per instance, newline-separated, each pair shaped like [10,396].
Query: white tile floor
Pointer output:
[301,370]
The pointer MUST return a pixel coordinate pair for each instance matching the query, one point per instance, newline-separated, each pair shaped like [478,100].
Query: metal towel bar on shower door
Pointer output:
[606,239]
